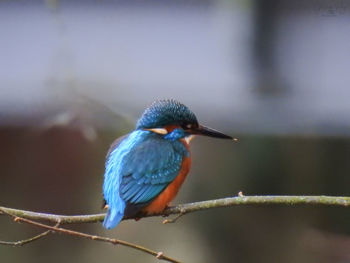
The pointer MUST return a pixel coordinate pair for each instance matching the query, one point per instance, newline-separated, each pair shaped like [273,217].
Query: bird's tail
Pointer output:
[112,218]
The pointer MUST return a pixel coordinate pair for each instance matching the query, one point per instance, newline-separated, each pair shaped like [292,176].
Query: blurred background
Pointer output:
[74,75]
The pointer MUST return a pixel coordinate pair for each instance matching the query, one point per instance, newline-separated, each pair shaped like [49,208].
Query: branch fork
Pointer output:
[32,218]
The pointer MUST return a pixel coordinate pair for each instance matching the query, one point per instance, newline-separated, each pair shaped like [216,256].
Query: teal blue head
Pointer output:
[174,120]
[163,113]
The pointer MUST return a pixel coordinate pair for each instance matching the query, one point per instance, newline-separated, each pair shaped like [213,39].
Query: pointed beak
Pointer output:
[206,131]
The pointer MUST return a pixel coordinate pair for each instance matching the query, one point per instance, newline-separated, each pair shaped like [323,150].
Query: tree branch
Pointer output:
[158,255]
[339,201]
[241,200]
[23,242]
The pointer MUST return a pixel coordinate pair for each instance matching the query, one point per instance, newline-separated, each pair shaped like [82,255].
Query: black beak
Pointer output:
[206,131]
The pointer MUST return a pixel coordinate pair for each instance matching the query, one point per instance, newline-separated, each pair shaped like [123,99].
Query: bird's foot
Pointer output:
[164,214]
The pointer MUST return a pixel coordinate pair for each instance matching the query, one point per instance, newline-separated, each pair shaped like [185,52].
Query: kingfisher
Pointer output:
[145,168]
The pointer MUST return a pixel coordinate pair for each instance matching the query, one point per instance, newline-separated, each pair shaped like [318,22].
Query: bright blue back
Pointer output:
[137,170]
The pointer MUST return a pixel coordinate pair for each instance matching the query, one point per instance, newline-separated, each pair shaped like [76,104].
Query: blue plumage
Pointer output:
[143,163]
[137,170]
[166,112]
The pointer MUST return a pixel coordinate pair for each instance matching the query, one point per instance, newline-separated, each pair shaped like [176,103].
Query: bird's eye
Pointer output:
[186,126]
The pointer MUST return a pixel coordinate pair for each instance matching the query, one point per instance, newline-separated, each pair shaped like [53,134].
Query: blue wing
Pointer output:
[137,170]
[149,167]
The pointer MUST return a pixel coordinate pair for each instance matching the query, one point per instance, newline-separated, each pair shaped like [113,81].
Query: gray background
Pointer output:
[74,76]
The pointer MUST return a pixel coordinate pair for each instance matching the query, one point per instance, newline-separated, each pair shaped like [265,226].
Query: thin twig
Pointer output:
[334,201]
[23,242]
[158,255]
[241,200]
[173,220]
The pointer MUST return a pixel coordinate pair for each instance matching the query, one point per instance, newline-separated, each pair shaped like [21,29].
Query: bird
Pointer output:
[145,168]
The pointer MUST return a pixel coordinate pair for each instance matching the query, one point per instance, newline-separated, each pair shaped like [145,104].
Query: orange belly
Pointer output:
[169,193]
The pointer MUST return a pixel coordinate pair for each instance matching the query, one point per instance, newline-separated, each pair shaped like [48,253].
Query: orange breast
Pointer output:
[169,193]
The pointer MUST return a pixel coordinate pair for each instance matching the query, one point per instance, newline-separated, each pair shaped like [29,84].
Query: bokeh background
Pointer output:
[74,75]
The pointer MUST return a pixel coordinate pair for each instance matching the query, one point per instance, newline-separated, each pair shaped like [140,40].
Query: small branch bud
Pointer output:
[159,255]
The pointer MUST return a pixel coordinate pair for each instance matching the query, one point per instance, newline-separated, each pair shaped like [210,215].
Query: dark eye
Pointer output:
[186,126]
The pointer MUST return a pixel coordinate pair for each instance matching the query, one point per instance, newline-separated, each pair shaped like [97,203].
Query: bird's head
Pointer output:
[174,120]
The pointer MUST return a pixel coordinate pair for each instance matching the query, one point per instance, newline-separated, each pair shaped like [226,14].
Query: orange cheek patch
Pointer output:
[170,128]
